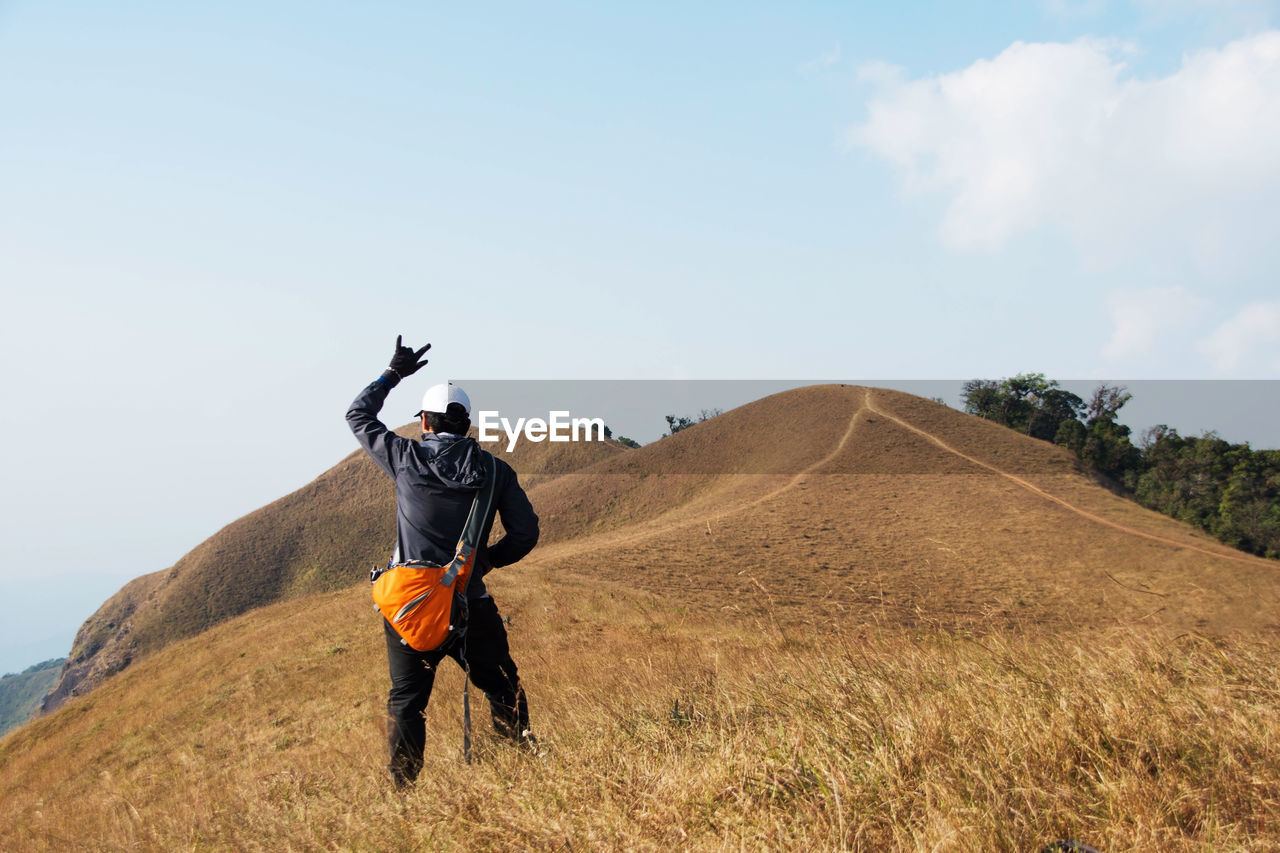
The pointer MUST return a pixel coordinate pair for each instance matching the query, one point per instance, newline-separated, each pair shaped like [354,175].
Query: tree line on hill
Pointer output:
[1228,490]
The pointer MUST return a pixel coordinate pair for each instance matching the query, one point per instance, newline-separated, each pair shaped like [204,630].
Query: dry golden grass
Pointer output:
[666,727]
[907,629]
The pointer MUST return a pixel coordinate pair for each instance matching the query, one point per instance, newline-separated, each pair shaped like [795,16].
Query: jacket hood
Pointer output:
[454,459]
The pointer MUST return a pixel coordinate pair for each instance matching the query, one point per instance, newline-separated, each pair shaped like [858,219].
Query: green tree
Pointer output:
[1106,402]
[1071,435]
[1108,450]
[983,397]
[674,424]
[1028,402]
[1228,490]
[1053,407]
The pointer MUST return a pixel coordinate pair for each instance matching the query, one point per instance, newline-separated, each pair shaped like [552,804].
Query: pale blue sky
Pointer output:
[215,218]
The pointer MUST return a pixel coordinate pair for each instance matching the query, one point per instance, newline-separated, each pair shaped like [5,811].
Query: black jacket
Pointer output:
[436,481]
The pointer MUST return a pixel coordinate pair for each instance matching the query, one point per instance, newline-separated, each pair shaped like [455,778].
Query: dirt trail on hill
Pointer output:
[853,530]
[663,525]
[1123,528]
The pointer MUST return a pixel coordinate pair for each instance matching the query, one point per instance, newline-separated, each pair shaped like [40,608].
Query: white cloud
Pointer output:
[1063,135]
[823,62]
[1144,320]
[1248,343]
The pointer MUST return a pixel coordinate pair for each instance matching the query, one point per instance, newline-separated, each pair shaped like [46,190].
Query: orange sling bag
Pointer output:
[427,603]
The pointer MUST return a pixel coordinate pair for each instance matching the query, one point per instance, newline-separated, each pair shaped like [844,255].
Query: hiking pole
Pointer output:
[466,702]
[466,722]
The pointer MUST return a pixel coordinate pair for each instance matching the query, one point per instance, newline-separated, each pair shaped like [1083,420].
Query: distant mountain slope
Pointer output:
[322,537]
[20,693]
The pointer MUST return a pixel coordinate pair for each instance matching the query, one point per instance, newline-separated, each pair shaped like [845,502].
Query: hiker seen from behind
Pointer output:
[432,594]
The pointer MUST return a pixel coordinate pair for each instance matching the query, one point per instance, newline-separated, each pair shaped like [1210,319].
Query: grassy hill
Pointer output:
[666,727]
[880,505]
[20,693]
[936,514]
[837,617]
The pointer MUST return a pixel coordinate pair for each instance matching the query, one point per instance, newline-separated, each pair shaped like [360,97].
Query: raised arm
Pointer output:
[362,416]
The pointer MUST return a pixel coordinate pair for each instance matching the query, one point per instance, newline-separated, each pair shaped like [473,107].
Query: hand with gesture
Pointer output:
[406,362]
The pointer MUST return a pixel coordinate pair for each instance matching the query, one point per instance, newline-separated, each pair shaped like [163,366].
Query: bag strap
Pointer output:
[471,531]
[466,545]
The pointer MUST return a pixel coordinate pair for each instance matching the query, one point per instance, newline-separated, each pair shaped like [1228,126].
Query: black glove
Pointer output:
[405,362]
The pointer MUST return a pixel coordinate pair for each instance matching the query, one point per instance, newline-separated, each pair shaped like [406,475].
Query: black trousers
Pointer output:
[483,653]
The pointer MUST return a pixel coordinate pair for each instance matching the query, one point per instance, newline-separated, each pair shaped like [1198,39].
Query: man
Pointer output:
[436,481]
